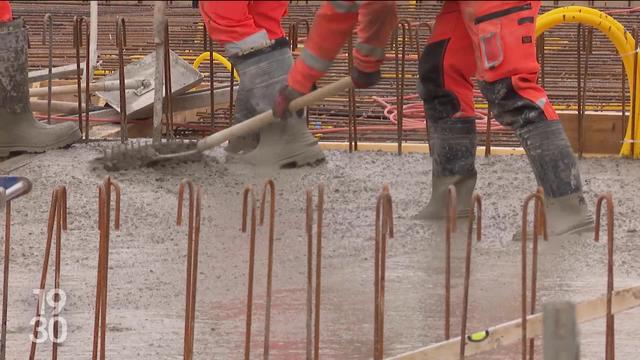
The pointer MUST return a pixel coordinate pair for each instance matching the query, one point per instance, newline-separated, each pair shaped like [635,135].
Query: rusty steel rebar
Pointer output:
[104,223]
[252,250]
[167,82]
[269,186]
[309,308]
[450,227]
[5,271]
[87,81]
[193,240]
[77,44]
[232,80]
[634,94]
[610,321]
[383,229]
[539,224]
[400,57]
[351,98]
[212,100]
[313,300]
[121,42]
[48,24]
[58,220]
[474,215]
[487,140]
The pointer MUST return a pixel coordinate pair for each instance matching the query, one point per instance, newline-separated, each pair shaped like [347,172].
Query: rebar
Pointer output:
[384,229]
[309,228]
[313,301]
[252,249]
[48,24]
[539,223]
[400,57]
[476,204]
[57,219]
[610,332]
[351,98]
[634,94]
[232,80]
[212,100]
[193,239]
[271,188]
[167,82]
[77,43]
[87,81]
[487,140]
[121,42]
[104,223]
[5,271]
[450,227]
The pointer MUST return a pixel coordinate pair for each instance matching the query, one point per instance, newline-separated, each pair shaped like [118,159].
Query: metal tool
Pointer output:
[450,227]
[122,157]
[11,187]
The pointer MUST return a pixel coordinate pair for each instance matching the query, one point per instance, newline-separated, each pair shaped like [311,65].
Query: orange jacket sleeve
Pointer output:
[333,24]
[5,11]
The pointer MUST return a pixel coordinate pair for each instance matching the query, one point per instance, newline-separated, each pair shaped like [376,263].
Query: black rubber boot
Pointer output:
[452,143]
[20,132]
[550,155]
[262,72]
[556,170]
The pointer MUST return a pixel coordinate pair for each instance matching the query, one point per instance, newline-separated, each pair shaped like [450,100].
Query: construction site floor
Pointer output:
[148,257]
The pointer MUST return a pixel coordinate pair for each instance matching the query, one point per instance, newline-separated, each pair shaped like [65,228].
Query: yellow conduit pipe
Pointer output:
[621,39]
[216,57]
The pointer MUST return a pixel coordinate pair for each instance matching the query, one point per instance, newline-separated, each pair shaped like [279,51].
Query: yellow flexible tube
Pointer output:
[621,39]
[216,57]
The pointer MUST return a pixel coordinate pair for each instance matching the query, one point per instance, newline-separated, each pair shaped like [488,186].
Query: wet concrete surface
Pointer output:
[148,258]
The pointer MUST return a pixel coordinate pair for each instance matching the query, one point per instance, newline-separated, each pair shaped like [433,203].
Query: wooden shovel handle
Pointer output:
[257,122]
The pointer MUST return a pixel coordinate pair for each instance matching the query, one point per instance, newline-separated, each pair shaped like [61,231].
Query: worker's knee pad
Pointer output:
[439,102]
[511,107]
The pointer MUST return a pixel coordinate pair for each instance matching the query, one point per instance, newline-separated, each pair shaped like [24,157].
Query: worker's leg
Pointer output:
[268,15]
[6,14]
[258,51]
[19,131]
[446,89]
[504,40]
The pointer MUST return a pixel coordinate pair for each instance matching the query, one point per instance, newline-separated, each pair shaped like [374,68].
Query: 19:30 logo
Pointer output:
[54,329]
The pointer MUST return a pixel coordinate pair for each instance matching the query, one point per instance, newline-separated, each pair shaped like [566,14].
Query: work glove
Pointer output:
[281,106]
[363,80]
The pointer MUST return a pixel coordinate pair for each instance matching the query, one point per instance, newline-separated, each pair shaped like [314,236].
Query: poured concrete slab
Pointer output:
[148,262]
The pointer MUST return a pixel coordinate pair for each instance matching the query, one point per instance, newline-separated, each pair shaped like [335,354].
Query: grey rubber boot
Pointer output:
[286,144]
[19,131]
[262,73]
[452,143]
[556,170]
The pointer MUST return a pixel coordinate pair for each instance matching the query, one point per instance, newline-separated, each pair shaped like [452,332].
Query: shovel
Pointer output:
[131,156]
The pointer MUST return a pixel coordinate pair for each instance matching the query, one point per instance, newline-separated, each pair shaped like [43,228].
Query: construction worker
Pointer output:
[333,25]
[253,38]
[19,130]
[501,35]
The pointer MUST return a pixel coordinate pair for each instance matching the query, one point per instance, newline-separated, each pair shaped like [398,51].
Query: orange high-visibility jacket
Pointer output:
[5,11]
[243,25]
[333,24]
